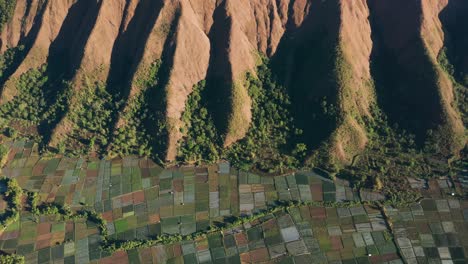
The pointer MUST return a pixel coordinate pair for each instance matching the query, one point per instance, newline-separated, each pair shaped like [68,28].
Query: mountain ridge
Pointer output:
[331,56]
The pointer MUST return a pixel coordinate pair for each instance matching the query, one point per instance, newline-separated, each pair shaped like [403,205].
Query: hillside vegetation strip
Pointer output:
[266,146]
[7,9]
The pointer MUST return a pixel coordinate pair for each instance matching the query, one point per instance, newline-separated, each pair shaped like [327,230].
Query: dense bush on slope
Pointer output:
[267,144]
[91,120]
[202,142]
[391,156]
[313,87]
[3,154]
[132,136]
[7,8]
[325,102]
[29,104]
[13,195]
[7,59]
[11,259]
[461,90]
[265,147]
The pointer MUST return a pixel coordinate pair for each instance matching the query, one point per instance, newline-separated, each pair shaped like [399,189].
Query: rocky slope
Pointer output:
[339,60]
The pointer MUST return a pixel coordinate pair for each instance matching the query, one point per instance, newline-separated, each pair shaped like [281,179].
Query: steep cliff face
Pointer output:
[432,33]
[41,31]
[454,55]
[326,66]
[356,93]
[455,25]
[322,51]
[410,79]
[94,64]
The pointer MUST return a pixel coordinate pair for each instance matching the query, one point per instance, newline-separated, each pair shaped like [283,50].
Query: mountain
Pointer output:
[280,81]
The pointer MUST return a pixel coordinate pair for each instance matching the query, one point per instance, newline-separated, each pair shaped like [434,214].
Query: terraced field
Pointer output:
[296,218]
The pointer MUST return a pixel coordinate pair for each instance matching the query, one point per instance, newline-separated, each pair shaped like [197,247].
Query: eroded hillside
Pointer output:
[267,82]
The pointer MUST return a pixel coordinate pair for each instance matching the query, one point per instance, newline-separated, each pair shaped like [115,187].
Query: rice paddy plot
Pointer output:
[140,200]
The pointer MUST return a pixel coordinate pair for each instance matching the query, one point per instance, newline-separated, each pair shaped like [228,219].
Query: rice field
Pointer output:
[140,200]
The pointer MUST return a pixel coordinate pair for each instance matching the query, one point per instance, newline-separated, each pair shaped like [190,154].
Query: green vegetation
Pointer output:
[144,127]
[7,59]
[272,144]
[11,259]
[7,8]
[407,92]
[165,239]
[390,156]
[47,208]
[13,196]
[65,213]
[311,77]
[265,146]
[42,103]
[3,155]
[460,90]
[10,132]
[445,63]
[229,223]
[150,77]
[58,100]
[29,104]
[38,102]
[201,142]
[401,197]
[33,200]
[92,118]
[3,151]
[14,193]
[405,139]
[336,110]
[278,219]
[133,137]
[96,218]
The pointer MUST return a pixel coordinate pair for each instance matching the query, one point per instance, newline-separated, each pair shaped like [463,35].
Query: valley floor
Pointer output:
[230,216]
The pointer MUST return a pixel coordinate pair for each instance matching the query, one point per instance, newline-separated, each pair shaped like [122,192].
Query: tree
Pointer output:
[11,259]
[11,132]
[3,154]
[61,147]
[7,7]
[378,185]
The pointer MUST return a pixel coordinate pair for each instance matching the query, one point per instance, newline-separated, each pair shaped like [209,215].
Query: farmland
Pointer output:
[218,214]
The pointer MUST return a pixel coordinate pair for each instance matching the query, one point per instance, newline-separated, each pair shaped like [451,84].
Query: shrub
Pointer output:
[390,156]
[61,147]
[7,8]
[11,259]
[201,141]
[7,59]
[133,137]
[13,196]
[11,132]
[92,117]
[29,104]
[3,154]
[265,146]
[460,86]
